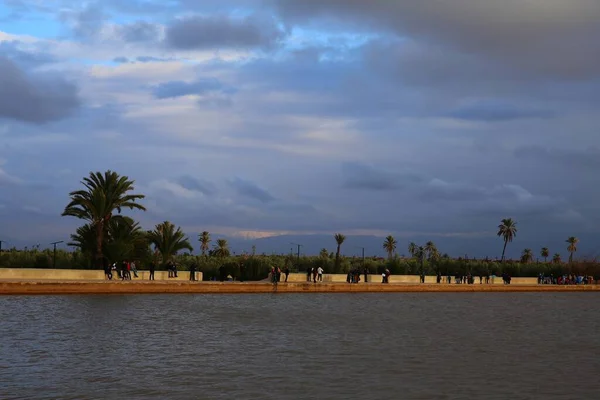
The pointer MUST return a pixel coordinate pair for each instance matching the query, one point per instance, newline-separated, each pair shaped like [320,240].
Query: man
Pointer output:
[193,272]
[134,269]
[320,274]
[366,273]
[286,271]
[152,268]
[308,273]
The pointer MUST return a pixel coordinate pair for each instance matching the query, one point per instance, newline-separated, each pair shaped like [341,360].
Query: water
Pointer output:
[305,346]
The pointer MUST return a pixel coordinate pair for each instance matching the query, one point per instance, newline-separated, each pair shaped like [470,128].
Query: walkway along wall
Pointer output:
[85,274]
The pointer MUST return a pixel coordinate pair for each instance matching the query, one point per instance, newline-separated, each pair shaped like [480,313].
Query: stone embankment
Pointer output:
[48,287]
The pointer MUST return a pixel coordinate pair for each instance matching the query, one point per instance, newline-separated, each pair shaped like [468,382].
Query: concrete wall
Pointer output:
[300,277]
[84,274]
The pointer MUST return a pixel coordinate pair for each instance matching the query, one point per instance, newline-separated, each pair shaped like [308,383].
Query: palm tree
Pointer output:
[205,240]
[168,241]
[556,259]
[412,249]
[390,246]
[339,239]
[96,204]
[324,253]
[527,256]
[221,248]
[572,248]
[431,250]
[545,253]
[508,230]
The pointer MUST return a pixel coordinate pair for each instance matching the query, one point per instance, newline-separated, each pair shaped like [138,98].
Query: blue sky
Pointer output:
[264,117]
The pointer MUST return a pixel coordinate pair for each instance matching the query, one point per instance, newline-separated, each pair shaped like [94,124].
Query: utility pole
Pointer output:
[1,241]
[299,245]
[55,243]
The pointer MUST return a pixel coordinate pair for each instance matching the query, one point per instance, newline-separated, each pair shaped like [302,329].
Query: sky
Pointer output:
[266,117]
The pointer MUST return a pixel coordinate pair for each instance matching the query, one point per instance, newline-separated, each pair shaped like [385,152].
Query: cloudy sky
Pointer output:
[262,117]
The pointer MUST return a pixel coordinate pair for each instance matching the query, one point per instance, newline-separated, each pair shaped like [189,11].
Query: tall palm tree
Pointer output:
[412,249]
[572,248]
[168,240]
[556,258]
[545,253]
[390,246]
[431,250]
[527,256]
[103,194]
[508,230]
[205,240]
[221,248]
[339,239]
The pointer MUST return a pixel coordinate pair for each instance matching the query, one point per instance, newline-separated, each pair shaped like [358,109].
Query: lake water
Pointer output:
[306,346]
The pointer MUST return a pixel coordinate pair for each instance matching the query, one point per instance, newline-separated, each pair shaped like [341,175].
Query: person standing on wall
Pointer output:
[286,271]
[152,268]
[320,274]
[193,272]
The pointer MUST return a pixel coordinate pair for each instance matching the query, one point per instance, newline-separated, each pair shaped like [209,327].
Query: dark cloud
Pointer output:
[489,110]
[121,60]
[588,158]
[35,98]
[179,88]
[213,32]
[86,22]
[525,35]
[251,190]
[191,183]
[25,59]
[145,59]
[361,176]
[139,31]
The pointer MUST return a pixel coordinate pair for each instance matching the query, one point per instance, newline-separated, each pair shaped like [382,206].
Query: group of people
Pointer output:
[122,269]
[566,279]
[314,274]
[276,272]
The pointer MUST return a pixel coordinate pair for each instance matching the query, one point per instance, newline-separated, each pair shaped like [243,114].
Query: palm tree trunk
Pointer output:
[337,259]
[504,250]
[99,237]
[570,257]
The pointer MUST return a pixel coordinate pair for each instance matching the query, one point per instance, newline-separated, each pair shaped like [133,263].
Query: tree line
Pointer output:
[108,236]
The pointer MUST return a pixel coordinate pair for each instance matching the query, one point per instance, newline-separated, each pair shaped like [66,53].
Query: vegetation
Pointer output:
[205,240]
[508,231]
[103,195]
[545,253]
[339,239]
[168,241]
[572,248]
[389,245]
[108,236]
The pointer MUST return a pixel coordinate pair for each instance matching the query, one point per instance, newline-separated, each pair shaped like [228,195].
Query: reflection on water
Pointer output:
[305,346]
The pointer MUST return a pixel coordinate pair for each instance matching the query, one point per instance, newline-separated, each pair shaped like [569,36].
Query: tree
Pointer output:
[103,194]
[545,253]
[431,251]
[508,231]
[339,239]
[324,253]
[527,256]
[221,248]
[205,240]
[572,248]
[556,259]
[168,241]
[390,246]
[412,249]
